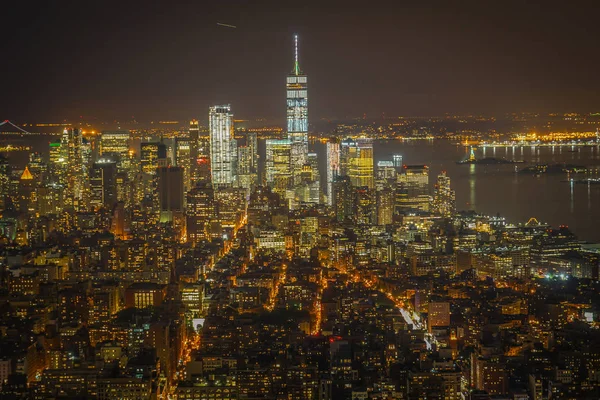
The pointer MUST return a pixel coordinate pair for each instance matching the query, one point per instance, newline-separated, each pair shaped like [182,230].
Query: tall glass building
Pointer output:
[333,167]
[277,165]
[223,147]
[297,115]
[297,102]
[356,161]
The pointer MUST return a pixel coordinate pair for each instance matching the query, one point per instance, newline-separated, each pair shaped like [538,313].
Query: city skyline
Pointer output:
[453,258]
[489,59]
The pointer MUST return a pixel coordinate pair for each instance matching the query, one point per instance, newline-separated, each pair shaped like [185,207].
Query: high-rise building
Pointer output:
[103,184]
[150,155]
[115,145]
[170,191]
[397,160]
[50,199]
[231,206]
[194,144]
[444,198]
[343,198]
[297,115]
[55,153]
[356,161]
[246,177]
[297,102]
[5,173]
[252,144]
[413,188]
[364,206]
[385,206]
[71,148]
[124,189]
[223,147]
[439,314]
[312,159]
[37,167]
[386,175]
[277,165]
[183,160]
[333,167]
[27,192]
[200,211]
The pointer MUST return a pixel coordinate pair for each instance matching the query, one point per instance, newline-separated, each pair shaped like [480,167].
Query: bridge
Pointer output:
[8,128]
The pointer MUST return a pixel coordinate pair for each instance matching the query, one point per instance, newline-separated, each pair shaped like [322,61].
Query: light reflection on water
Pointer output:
[494,189]
[498,189]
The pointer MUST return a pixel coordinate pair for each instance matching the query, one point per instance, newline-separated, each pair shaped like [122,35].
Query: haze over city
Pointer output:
[113,60]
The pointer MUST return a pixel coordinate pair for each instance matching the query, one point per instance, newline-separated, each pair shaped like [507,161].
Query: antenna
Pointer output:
[296,65]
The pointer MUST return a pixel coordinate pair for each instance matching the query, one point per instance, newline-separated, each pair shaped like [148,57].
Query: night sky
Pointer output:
[105,60]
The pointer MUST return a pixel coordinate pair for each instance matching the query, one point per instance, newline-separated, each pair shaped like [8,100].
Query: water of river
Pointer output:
[492,189]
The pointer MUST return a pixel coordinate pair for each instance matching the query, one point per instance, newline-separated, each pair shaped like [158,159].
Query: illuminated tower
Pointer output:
[71,143]
[103,184]
[183,159]
[356,161]
[200,211]
[444,198]
[115,145]
[385,206]
[5,174]
[194,144]
[412,190]
[150,155]
[223,147]
[277,165]
[26,192]
[333,168]
[297,114]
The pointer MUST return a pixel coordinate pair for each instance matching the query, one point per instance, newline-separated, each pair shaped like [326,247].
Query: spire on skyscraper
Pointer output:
[296,63]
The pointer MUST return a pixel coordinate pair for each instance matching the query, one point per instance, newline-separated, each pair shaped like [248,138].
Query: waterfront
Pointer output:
[492,189]
[489,189]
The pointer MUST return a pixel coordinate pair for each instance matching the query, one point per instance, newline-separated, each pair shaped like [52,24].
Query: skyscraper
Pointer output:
[277,165]
[170,190]
[333,167]
[386,175]
[200,211]
[397,160]
[413,188]
[194,143]
[151,153]
[247,163]
[343,198]
[71,146]
[103,185]
[444,198]
[223,147]
[183,160]
[364,206]
[5,174]
[297,114]
[385,206]
[356,161]
[115,145]
[246,178]
[252,143]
